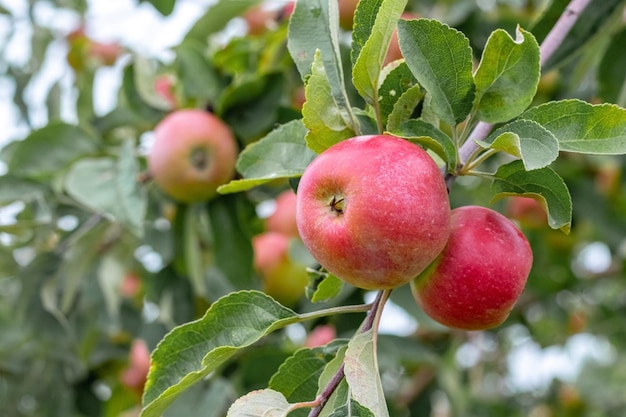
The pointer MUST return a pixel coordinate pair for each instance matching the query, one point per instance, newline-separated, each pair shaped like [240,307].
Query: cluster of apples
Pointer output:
[374,211]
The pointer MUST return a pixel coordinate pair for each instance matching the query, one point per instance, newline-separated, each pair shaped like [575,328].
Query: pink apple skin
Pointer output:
[474,283]
[193,153]
[373,210]
[283,220]
[283,279]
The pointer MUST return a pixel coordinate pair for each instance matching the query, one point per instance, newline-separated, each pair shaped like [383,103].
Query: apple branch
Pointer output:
[370,320]
[549,45]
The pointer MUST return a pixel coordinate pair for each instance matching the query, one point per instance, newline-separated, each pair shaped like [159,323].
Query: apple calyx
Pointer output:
[337,205]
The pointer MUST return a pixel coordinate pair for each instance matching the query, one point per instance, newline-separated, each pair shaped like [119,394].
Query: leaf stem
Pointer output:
[359,308]
[373,317]
[549,45]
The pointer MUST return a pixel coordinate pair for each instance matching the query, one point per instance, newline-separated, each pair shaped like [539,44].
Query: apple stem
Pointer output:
[372,319]
[549,45]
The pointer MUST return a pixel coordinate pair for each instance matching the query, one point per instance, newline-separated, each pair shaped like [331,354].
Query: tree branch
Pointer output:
[549,45]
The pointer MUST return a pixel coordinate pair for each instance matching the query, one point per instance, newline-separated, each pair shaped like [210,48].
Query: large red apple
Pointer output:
[373,210]
[283,279]
[193,153]
[474,283]
[283,219]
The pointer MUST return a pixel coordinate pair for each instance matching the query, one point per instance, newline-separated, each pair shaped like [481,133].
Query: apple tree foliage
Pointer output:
[94,256]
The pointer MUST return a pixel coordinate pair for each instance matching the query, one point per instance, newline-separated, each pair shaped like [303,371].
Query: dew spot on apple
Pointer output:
[199,158]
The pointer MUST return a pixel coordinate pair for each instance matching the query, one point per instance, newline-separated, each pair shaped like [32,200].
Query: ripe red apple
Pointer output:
[346,13]
[283,279]
[474,283]
[260,19]
[373,210]
[193,153]
[320,336]
[283,220]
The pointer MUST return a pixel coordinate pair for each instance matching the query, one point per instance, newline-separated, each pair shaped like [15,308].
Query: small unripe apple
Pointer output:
[373,210]
[193,153]
[474,283]
[283,279]
[283,220]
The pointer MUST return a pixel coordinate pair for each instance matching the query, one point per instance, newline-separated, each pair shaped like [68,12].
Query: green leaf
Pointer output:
[229,221]
[132,84]
[165,7]
[145,70]
[110,186]
[217,16]
[51,149]
[507,77]
[322,115]
[199,78]
[266,403]
[192,351]
[543,184]
[354,409]
[612,71]
[313,27]
[440,58]
[192,244]
[363,375]
[582,127]
[327,289]
[527,140]
[370,43]
[281,154]
[397,82]
[425,134]
[297,378]
[19,189]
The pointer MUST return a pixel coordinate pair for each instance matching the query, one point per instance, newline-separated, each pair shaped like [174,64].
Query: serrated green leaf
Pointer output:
[405,106]
[507,77]
[341,395]
[440,58]
[313,27]
[327,289]
[110,187]
[397,81]
[582,127]
[534,145]
[281,154]
[353,410]
[543,184]
[322,115]
[265,402]
[51,149]
[298,376]
[191,351]
[370,43]
[362,374]
[217,16]
[425,134]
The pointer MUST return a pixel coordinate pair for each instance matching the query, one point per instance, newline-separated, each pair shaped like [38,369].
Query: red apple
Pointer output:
[373,210]
[260,19]
[527,211]
[320,336]
[164,87]
[283,279]
[193,153]
[105,53]
[346,13]
[283,220]
[474,283]
[134,376]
